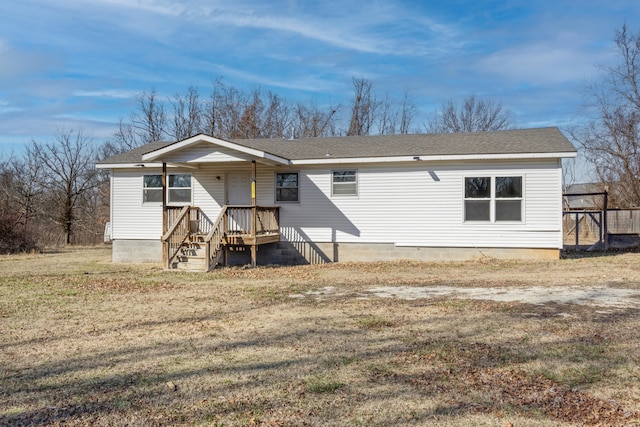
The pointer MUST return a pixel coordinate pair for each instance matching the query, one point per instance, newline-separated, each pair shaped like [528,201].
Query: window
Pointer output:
[287,187]
[152,189]
[345,183]
[509,198]
[477,199]
[179,188]
[493,199]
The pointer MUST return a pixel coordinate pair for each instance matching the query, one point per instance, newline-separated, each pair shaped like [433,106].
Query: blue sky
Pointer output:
[80,63]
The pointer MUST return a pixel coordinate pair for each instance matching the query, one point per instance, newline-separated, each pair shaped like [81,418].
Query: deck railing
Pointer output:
[241,220]
[213,241]
[177,233]
[246,221]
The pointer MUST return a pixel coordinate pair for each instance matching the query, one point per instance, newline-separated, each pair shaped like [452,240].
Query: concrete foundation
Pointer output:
[293,253]
[317,253]
[135,251]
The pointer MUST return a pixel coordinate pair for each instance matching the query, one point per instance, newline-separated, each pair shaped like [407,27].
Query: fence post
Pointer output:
[604,221]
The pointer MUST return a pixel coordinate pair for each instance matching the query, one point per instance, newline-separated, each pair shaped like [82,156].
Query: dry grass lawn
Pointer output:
[87,342]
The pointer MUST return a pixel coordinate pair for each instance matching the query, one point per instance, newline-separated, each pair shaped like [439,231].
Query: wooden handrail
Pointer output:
[173,227]
[171,240]
[213,247]
[217,224]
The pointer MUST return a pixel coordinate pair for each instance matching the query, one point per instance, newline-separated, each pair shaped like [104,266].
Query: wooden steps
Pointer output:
[192,255]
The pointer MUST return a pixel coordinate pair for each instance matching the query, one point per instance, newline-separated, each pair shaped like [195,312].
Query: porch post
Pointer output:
[165,259]
[254,229]
[253,182]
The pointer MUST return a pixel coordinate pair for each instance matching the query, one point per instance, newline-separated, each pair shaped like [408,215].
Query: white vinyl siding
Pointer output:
[416,204]
[131,218]
[423,205]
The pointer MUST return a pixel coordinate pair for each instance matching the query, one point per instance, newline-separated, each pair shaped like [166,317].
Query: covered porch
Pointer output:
[210,202]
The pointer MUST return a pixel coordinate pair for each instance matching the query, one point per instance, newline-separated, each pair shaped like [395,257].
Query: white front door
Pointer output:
[238,189]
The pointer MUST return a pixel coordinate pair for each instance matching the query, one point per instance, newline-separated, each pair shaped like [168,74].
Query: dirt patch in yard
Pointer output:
[595,296]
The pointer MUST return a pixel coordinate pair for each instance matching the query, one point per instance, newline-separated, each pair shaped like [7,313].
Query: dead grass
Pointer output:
[87,342]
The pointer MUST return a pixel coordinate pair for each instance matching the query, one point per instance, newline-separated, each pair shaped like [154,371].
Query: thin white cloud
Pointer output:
[378,28]
[106,93]
[553,61]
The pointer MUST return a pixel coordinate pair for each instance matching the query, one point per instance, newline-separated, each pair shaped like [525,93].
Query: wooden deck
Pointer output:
[248,226]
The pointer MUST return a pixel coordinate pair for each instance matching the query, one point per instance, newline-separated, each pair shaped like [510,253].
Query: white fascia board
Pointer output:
[220,142]
[128,165]
[329,160]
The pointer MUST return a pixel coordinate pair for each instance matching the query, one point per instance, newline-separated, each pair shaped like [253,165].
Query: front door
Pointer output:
[238,189]
[239,193]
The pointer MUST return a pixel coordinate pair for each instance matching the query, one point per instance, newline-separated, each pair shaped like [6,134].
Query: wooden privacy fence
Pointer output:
[623,221]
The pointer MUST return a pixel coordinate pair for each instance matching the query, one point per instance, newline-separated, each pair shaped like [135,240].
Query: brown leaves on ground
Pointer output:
[519,389]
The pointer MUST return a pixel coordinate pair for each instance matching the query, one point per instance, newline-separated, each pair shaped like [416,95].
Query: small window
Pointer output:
[493,199]
[152,189]
[477,199]
[179,189]
[509,198]
[287,187]
[345,183]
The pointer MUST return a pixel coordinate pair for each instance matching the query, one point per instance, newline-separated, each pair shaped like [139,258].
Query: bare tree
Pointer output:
[250,125]
[278,117]
[68,169]
[150,122]
[25,191]
[611,140]
[147,124]
[123,139]
[212,111]
[314,122]
[407,113]
[187,114]
[473,115]
[387,117]
[363,107]
[393,117]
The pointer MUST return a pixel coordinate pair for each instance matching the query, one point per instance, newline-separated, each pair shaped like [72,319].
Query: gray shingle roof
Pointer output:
[135,155]
[540,140]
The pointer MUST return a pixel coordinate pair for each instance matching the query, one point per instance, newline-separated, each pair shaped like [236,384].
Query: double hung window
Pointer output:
[152,189]
[344,183]
[287,187]
[178,188]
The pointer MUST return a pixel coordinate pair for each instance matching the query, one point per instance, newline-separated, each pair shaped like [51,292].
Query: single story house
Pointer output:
[203,200]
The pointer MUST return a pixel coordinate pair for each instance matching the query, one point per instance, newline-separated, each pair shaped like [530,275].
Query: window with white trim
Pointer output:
[287,188]
[344,183]
[152,189]
[179,188]
[493,199]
